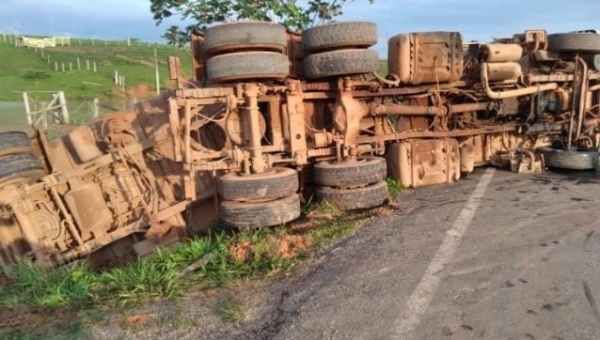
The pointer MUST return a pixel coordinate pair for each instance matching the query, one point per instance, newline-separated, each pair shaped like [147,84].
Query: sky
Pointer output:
[475,19]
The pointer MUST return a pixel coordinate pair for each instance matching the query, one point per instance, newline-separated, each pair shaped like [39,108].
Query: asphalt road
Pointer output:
[496,256]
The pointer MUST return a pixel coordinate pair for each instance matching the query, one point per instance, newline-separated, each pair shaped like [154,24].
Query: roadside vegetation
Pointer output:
[25,69]
[394,187]
[383,68]
[219,260]
[78,286]
[231,310]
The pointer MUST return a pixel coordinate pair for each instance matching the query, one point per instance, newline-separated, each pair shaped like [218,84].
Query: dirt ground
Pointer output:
[495,256]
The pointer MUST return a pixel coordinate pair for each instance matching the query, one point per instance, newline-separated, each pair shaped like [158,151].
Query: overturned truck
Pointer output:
[271,114]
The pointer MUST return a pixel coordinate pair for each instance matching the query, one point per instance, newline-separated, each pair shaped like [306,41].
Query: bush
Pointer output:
[35,75]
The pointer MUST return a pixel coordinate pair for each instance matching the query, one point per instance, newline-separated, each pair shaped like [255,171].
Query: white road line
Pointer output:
[421,297]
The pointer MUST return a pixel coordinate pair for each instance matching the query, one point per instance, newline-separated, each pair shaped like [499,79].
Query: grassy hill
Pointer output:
[24,69]
[27,69]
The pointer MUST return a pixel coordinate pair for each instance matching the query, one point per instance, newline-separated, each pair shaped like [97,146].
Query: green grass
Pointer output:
[81,294]
[136,63]
[332,232]
[77,286]
[58,330]
[329,224]
[394,187]
[383,68]
[231,310]
[34,286]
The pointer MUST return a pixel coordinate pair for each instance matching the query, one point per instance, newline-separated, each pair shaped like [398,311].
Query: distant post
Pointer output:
[70,66]
[95,107]
[56,66]
[94,66]
[27,108]
[156,72]
[117,79]
[63,108]
[87,62]
[78,64]
[63,67]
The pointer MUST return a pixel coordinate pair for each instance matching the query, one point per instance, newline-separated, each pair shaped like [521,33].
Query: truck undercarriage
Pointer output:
[272,115]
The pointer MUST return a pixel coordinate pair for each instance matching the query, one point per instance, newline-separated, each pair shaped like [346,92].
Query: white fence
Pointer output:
[43,42]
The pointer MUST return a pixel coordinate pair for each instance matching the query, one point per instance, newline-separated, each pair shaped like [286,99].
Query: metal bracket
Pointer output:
[521,161]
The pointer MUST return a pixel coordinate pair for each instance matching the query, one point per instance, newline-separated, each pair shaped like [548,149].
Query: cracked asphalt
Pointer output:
[496,256]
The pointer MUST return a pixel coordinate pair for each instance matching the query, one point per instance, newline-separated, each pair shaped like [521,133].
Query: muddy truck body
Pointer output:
[271,114]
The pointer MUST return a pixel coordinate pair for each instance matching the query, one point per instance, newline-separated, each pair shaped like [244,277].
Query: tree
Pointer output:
[171,35]
[295,14]
[177,37]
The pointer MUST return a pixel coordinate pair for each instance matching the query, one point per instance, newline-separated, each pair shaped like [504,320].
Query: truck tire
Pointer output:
[353,199]
[276,183]
[574,42]
[340,63]
[247,65]
[593,61]
[14,142]
[337,35]
[21,165]
[365,171]
[244,36]
[569,159]
[260,214]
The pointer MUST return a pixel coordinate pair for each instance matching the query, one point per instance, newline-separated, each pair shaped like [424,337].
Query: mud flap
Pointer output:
[416,163]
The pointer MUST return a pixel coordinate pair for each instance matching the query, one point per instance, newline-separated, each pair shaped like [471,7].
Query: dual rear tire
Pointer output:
[340,49]
[259,200]
[353,185]
[258,50]
[340,35]
[246,50]
[270,199]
